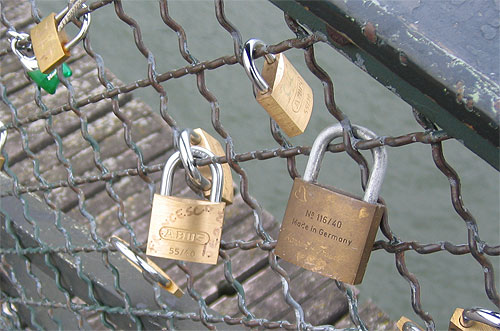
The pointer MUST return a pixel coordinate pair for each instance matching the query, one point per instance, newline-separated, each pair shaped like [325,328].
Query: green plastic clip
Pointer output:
[49,82]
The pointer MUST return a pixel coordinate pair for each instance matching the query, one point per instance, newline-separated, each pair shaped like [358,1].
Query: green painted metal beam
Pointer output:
[441,57]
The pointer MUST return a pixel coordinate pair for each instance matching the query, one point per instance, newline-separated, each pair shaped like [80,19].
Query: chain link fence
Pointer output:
[55,247]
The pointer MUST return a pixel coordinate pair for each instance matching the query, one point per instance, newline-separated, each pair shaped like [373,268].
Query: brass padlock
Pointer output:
[475,319]
[150,270]
[3,139]
[327,231]
[47,82]
[51,47]
[202,139]
[406,324]
[187,229]
[281,90]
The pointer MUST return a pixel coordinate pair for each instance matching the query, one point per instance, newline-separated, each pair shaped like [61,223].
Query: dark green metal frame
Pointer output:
[441,57]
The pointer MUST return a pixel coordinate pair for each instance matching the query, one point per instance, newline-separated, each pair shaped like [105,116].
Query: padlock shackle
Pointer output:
[28,62]
[187,159]
[84,29]
[174,161]
[3,136]
[249,64]
[149,272]
[379,158]
[481,315]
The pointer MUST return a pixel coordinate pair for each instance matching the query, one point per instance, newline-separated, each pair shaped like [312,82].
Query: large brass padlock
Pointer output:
[150,270]
[328,231]
[52,47]
[202,139]
[281,91]
[3,139]
[475,319]
[187,229]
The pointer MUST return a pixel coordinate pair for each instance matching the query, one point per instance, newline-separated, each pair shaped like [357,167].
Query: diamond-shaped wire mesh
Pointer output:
[89,154]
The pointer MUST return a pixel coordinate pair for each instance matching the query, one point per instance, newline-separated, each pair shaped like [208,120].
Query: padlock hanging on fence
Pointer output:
[48,82]
[280,90]
[187,229]
[329,231]
[52,47]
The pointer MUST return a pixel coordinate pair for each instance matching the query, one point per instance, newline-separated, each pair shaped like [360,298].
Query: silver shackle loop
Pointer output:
[187,158]
[3,136]
[410,326]
[148,271]
[481,315]
[28,62]
[175,160]
[83,29]
[379,158]
[249,64]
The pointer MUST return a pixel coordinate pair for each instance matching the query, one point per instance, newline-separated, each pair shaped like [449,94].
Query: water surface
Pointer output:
[417,194]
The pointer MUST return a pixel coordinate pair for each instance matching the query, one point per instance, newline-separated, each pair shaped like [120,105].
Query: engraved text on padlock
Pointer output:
[290,100]
[328,231]
[280,90]
[187,229]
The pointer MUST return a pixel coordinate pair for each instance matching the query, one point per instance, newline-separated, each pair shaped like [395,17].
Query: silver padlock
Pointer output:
[187,229]
[326,230]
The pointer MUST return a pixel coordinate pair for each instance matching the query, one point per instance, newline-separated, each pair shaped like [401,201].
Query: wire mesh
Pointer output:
[66,183]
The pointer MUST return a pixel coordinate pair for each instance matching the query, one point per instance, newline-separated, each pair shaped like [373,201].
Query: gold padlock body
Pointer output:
[403,320]
[328,232]
[213,145]
[185,229]
[2,160]
[290,99]
[48,44]
[456,323]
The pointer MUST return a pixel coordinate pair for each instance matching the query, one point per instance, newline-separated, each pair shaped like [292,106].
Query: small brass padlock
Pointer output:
[475,319]
[187,229]
[202,139]
[406,324]
[48,82]
[281,90]
[3,139]
[51,47]
[150,270]
[327,231]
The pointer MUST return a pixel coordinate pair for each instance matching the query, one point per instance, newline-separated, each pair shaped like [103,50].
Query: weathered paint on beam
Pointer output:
[90,264]
[442,57]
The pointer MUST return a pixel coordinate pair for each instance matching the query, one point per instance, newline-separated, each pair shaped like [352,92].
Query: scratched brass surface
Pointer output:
[185,229]
[48,44]
[290,100]
[456,323]
[328,232]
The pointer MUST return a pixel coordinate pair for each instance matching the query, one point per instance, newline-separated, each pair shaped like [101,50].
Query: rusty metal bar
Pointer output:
[440,57]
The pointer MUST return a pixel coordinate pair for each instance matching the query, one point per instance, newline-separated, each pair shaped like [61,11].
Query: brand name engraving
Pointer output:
[183,235]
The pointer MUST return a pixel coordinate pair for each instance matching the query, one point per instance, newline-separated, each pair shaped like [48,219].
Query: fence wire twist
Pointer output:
[48,188]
